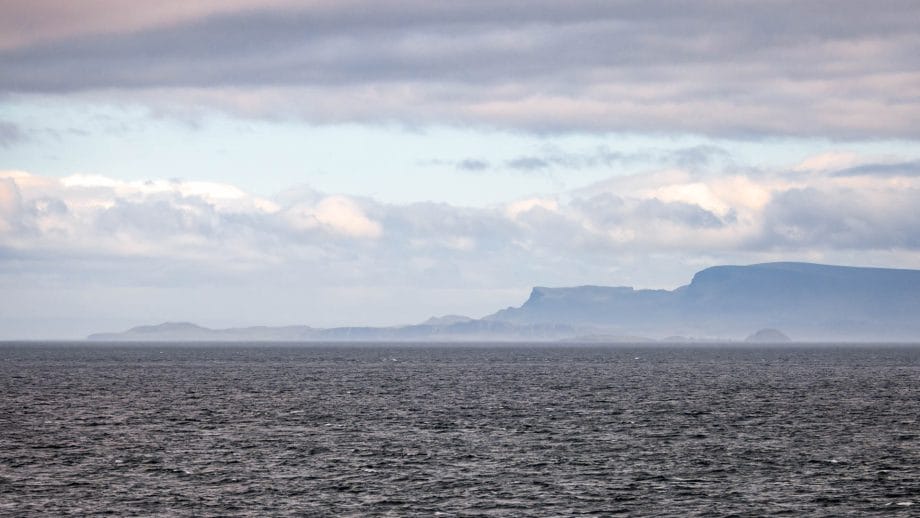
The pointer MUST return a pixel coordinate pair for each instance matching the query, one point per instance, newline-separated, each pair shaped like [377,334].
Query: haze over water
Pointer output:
[509,430]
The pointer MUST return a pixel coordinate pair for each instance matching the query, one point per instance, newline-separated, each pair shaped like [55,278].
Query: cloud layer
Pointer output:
[829,68]
[806,211]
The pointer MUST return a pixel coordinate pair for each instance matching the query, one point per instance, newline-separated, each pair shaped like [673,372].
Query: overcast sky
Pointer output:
[243,162]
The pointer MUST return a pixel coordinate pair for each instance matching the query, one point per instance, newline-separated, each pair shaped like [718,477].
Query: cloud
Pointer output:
[517,208]
[733,69]
[49,20]
[10,134]
[673,209]
[695,157]
[342,215]
[348,240]
[528,163]
[911,168]
[10,204]
[472,165]
[831,160]
[843,218]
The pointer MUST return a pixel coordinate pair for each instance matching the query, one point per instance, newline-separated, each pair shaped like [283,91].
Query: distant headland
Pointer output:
[768,302]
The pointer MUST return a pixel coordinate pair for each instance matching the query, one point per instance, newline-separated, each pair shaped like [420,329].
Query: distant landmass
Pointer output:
[452,330]
[808,301]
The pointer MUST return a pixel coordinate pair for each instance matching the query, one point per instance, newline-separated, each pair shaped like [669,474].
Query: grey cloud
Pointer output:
[882,170]
[687,214]
[840,218]
[696,156]
[430,224]
[836,68]
[601,157]
[690,158]
[472,165]
[557,237]
[169,216]
[528,163]
[10,134]
[608,210]
[47,206]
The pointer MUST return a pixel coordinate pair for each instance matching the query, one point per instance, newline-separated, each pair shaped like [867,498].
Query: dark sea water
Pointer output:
[458,431]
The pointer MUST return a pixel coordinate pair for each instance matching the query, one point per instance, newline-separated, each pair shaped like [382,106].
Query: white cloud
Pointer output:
[693,193]
[340,215]
[515,209]
[89,180]
[831,160]
[660,211]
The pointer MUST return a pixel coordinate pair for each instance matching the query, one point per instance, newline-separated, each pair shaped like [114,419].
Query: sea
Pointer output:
[459,430]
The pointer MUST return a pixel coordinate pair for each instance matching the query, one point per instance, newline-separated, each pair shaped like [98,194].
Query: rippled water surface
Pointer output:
[462,431]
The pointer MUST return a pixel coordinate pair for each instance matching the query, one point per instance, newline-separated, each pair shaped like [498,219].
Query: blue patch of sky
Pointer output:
[388,162]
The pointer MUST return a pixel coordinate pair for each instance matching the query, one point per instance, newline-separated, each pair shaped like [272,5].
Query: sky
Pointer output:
[351,162]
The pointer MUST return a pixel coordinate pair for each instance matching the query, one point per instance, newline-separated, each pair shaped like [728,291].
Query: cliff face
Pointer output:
[588,306]
[811,301]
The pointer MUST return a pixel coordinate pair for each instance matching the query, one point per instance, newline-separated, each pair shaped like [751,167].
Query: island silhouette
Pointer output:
[766,302]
